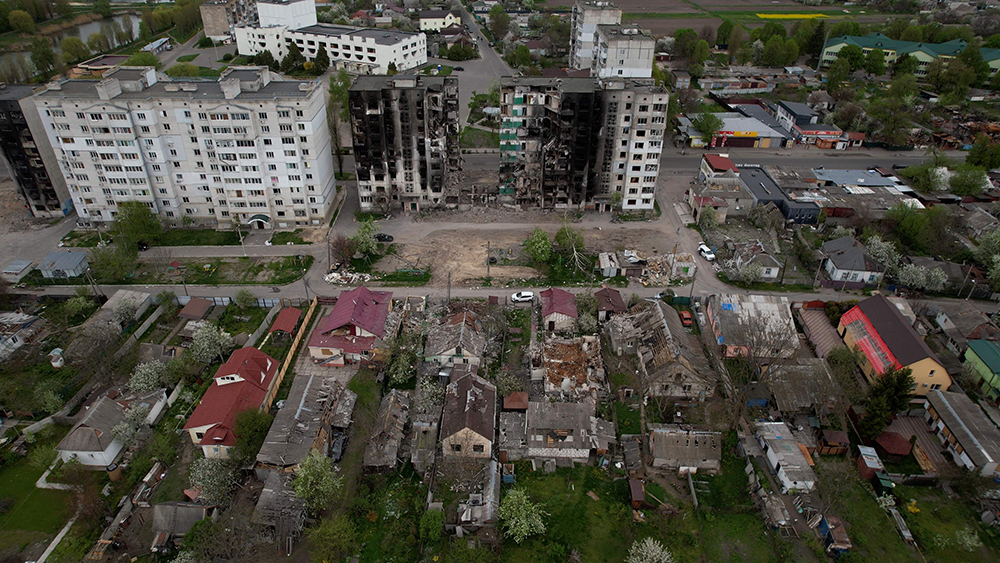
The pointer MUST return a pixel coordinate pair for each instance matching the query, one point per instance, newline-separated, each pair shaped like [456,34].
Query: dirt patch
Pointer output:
[463,252]
[497,215]
[14,214]
[312,236]
[667,26]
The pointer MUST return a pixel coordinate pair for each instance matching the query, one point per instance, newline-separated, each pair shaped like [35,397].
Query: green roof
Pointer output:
[878,41]
[988,351]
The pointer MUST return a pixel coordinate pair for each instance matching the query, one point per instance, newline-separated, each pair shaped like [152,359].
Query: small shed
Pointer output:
[833,442]
[869,463]
[637,492]
[287,319]
[63,264]
[516,401]
[835,536]
[196,309]
[16,270]
[893,446]
[558,310]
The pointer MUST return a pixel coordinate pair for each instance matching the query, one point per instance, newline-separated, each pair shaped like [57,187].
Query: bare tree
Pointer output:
[837,477]
[342,248]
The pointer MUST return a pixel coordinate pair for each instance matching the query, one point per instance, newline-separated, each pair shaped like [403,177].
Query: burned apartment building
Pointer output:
[581,143]
[405,131]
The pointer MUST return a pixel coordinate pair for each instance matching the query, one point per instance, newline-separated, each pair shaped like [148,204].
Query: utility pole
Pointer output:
[449,287]
[488,259]
[966,280]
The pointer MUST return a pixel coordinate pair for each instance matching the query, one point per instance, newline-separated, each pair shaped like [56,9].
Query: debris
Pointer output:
[347,278]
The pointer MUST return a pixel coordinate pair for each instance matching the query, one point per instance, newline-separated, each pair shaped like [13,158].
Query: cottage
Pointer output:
[246,381]
[984,357]
[17,270]
[566,432]
[90,440]
[769,267]
[609,302]
[684,451]
[788,459]
[382,451]
[972,439]
[468,423]
[558,310]
[280,509]
[887,341]
[736,319]
[435,20]
[354,327]
[513,440]
[458,338]
[63,264]
[727,193]
[833,442]
[847,260]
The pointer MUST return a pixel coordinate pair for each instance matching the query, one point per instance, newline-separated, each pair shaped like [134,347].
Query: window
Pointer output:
[478,448]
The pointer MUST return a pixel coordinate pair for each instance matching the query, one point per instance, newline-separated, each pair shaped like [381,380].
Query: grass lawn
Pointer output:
[396,501]
[198,237]
[84,239]
[473,138]
[235,321]
[628,419]
[285,237]
[445,70]
[177,71]
[406,279]
[32,509]
[937,525]
[187,58]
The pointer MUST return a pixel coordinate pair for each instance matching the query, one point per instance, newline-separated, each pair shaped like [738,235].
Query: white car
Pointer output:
[523,297]
[706,252]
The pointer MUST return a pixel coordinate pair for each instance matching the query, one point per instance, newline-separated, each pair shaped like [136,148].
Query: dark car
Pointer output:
[382,237]
[458,69]
[899,166]
[143,247]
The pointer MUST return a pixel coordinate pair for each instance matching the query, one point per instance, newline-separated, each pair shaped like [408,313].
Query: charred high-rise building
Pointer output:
[581,143]
[406,133]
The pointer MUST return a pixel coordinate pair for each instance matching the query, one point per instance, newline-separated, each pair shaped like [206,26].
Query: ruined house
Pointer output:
[609,303]
[458,338]
[279,509]
[804,387]
[684,450]
[571,369]
[468,424]
[406,132]
[350,333]
[382,450]
[672,360]
[566,432]
[574,143]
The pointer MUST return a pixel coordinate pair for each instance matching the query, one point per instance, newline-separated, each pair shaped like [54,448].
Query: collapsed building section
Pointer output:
[405,131]
[580,143]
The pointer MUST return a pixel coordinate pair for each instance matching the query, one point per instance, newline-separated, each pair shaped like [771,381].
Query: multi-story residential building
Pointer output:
[405,131]
[247,149]
[587,15]
[29,155]
[357,50]
[222,17]
[581,143]
[925,53]
[622,52]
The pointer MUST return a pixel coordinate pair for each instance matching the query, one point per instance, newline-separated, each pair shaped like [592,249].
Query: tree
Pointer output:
[708,217]
[431,525]
[750,273]
[839,71]
[142,58]
[519,517]
[76,307]
[135,223]
[707,124]
[251,429]
[538,246]
[903,87]
[342,248]
[876,418]
[62,7]
[849,116]
[701,51]
[519,56]
[364,238]
[265,58]
[147,377]
[853,55]
[791,51]
[42,55]
[184,70]
[245,299]
[814,46]
[103,7]
[905,64]
[895,386]
[648,550]
[403,358]
[316,482]
[210,343]
[884,252]
[73,49]
[123,312]
[508,382]
[112,263]
[499,22]
[21,21]
[333,539]
[773,51]
[292,59]
[989,247]
[214,477]
[894,117]
[968,180]
[973,58]
[392,70]
[722,33]
[568,241]
[875,62]
[735,43]
[322,61]
[984,153]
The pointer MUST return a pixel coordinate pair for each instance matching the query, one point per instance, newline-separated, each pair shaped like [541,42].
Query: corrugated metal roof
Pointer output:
[988,351]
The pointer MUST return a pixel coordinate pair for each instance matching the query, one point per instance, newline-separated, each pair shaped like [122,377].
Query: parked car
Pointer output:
[706,252]
[686,319]
[143,247]
[523,297]
[382,237]
[458,69]
[899,166]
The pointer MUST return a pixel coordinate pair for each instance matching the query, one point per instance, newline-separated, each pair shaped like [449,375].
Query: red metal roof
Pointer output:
[287,319]
[894,443]
[870,343]
[359,307]
[720,163]
[240,384]
[556,300]
[610,300]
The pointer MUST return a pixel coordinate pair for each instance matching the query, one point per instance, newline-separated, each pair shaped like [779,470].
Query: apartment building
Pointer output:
[581,143]
[357,50]
[222,17]
[405,131]
[587,15]
[622,51]
[29,155]
[248,149]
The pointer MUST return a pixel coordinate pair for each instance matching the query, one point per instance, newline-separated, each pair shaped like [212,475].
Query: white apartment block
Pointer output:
[357,50]
[247,149]
[622,52]
[587,15]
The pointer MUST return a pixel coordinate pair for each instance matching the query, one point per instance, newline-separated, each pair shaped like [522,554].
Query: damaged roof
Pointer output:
[93,432]
[387,436]
[177,518]
[802,386]
[362,308]
[610,300]
[669,441]
[459,331]
[555,300]
[470,402]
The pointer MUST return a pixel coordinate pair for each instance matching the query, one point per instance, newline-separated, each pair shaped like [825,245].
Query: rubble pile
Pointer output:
[661,270]
[347,278]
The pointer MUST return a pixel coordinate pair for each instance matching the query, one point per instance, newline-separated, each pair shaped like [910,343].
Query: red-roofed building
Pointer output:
[246,381]
[713,165]
[352,329]
[558,310]
[892,446]
[286,321]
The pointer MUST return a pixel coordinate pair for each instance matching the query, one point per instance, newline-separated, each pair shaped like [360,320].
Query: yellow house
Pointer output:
[888,341]
[925,53]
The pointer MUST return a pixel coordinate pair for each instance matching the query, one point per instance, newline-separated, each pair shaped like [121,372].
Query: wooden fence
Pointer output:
[291,355]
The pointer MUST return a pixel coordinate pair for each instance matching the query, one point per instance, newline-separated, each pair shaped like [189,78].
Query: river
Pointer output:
[83,31]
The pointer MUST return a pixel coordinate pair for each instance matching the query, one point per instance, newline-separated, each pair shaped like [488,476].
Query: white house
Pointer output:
[558,310]
[846,260]
[785,456]
[90,441]
[771,268]
[436,20]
